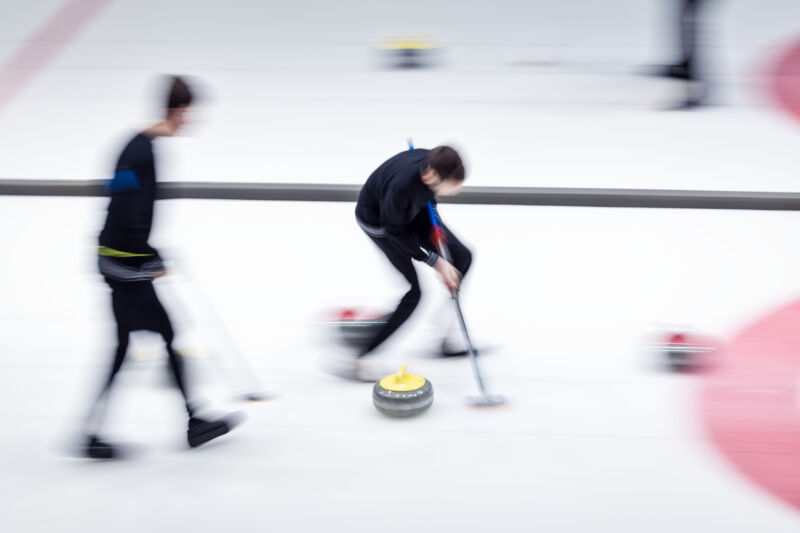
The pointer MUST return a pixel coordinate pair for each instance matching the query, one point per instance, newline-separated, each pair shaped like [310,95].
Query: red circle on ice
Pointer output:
[784,80]
[750,404]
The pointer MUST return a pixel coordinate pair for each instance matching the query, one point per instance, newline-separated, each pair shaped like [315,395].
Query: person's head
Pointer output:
[445,173]
[179,98]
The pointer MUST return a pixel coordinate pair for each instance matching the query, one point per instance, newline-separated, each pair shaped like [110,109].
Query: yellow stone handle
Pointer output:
[401,382]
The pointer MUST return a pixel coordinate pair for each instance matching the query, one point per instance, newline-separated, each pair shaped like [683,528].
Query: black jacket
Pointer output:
[394,197]
[124,251]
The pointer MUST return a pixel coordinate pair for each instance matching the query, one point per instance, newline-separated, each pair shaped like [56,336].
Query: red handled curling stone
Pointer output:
[357,328]
[682,352]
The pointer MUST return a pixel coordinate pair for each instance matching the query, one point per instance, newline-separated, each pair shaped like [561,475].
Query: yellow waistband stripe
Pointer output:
[110,252]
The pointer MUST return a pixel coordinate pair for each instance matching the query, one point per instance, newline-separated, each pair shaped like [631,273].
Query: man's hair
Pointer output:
[180,95]
[447,163]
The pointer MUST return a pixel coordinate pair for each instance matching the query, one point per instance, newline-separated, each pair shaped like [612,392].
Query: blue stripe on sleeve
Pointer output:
[124,180]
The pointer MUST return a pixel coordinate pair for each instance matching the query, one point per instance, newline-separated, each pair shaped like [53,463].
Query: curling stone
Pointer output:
[682,352]
[409,51]
[357,329]
[402,395]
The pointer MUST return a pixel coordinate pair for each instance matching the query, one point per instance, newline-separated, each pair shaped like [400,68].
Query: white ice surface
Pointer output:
[537,93]
[594,437]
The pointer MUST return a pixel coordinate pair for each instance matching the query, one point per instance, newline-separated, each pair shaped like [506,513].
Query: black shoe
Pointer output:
[678,71]
[449,350]
[201,431]
[98,449]
[458,349]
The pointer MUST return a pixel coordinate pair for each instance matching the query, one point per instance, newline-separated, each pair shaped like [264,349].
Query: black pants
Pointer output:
[136,307]
[460,256]
[689,28]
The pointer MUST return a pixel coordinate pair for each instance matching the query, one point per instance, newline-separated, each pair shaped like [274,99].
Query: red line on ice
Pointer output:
[44,44]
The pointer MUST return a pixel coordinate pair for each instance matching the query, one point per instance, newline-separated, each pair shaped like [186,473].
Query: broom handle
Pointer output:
[438,237]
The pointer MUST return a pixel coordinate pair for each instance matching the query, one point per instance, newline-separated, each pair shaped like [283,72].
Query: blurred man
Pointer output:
[686,67]
[392,210]
[129,265]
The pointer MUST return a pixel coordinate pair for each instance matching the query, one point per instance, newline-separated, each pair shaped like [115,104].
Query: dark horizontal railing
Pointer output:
[319,192]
